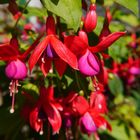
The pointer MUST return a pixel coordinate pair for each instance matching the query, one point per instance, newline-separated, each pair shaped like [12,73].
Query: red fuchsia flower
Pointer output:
[135,66]
[128,70]
[47,108]
[16,68]
[88,62]
[68,114]
[91,113]
[51,48]
[90,21]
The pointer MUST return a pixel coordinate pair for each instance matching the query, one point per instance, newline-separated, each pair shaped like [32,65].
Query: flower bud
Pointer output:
[88,64]
[16,69]
[91,19]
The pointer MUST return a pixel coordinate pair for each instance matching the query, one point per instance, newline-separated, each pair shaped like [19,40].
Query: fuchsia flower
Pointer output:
[90,21]
[91,113]
[16,68]
[51,48]
[47,108]
[128,70]
[88,62]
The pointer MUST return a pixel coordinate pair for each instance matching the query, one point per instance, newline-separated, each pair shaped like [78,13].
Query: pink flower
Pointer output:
[90,113]
[52,47]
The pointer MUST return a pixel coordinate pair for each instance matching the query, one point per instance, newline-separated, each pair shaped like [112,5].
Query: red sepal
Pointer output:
[8,52]
[54,117]
[106,42]
[98,102]
[60,66]
[80,105]
[35,124]
[63,52]
[45,67]
[101,122]
[77,45]
[37,52]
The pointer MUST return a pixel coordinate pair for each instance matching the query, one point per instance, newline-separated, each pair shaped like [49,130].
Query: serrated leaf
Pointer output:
[115,85]
[130,4]
[69,10]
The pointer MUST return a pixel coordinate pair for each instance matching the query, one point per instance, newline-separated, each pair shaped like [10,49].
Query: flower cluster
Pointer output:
[57,52]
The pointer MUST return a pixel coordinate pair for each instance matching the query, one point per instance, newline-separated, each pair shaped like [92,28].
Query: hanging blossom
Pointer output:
[16,68]
[91,114]
[46,108]
[88,62]
[52,49]
[128,70]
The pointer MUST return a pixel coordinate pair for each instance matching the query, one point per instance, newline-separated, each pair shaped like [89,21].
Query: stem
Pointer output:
[21,14]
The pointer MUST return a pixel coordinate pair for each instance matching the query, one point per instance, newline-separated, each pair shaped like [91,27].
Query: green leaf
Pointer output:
[31,88]
[119,132]
[34,11]
[136,121]
[118,51]
[129,4]
[115,85]
[69,10]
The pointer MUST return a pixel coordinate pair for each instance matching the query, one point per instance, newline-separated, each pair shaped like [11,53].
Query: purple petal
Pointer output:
[50,52]
[88,64]
[16,70]
[87,124]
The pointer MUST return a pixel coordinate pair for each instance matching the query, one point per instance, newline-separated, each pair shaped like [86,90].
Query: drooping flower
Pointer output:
[52,48]
[88,62]
[46,108]
[91,113]
[16,68]
[87,59]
